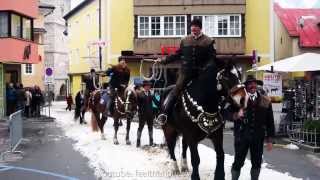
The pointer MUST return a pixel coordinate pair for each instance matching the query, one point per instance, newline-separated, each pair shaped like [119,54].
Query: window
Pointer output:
[162,26]
[15,25]
[26,28]
[28,69]
[4,24]
[221,25]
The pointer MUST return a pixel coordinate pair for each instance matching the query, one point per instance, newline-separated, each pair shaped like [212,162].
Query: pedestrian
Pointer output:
[28,97]
[11,97]
[252,129]
[196,52]
[69,102]
[20,96]
[37,100]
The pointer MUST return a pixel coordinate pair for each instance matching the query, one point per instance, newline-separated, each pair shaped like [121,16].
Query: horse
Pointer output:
[124,107]
[197,116]
[97,104]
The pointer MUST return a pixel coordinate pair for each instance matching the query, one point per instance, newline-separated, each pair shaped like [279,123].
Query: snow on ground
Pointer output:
[291,146]
[121,162]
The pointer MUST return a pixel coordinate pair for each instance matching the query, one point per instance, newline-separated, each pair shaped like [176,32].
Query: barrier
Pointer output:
[16,132]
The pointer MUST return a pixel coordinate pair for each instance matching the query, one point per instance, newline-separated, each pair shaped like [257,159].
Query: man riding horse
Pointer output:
[119,79]
[92,83]
[196,52]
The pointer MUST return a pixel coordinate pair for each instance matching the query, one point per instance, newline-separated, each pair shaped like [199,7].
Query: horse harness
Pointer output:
[208,122]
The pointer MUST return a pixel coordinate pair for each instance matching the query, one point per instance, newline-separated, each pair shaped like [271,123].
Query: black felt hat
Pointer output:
[251,78]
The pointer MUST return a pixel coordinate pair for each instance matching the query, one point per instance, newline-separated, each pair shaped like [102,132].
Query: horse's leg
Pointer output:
[195,160]
[217,140]
[150,130]
[171,139]
[116,127]
[184,164]
[101,122]
[128,130]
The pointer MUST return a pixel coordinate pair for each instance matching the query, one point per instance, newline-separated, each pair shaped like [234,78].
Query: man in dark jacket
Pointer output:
[119,79]
[251,130]
[92,84]
[196,52]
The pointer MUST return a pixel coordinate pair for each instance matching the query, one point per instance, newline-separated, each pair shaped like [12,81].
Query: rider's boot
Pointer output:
[138,138]
[166,108]
[235,174]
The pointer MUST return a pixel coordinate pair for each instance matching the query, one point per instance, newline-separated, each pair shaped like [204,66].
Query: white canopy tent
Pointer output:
[303,62]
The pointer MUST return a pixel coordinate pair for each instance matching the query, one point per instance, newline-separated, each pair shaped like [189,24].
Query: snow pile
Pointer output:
[291,146]
[124,162]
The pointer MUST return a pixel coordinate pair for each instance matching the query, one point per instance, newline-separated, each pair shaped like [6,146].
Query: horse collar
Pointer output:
[208,122]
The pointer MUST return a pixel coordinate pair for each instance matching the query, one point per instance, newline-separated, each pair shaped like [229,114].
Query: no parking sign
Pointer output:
[48,78]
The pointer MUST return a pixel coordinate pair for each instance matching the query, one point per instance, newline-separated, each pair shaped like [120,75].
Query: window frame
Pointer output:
[162,35]
[21,33]
[25,69]
[216,27]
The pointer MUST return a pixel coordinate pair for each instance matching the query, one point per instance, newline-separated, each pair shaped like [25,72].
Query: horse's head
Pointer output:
[130,100]
[230,87]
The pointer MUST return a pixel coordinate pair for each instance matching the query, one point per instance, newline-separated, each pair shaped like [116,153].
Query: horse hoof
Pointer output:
[184,165]
[103,137]
[175,168]
[128,142]
[115,141]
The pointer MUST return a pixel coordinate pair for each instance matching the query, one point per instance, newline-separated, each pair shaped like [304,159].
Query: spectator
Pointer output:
[28,97]
[20,96]
[37,99]
[11,97]
[69,102]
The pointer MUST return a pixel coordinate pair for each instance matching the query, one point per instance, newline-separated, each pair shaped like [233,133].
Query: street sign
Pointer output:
[48,77]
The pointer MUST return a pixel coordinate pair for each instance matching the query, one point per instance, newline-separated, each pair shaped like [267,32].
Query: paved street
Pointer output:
[298,163]
[49,151]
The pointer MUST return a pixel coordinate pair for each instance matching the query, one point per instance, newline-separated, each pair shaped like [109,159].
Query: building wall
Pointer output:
[257,21]
[56,50]
[120,29]
[28,7]
[81,37]
[283,42]
[37,76]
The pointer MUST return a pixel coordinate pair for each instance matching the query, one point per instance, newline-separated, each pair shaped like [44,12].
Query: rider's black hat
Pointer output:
[251,78]
[92,70]
[196,22]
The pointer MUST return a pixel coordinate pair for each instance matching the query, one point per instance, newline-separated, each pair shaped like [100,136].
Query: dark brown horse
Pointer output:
[124,108]
[97,104]
[197,116]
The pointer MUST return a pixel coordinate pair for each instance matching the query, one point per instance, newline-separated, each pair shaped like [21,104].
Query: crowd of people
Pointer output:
[27,99]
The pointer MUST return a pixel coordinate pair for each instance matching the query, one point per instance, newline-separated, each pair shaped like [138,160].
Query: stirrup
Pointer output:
[162,119]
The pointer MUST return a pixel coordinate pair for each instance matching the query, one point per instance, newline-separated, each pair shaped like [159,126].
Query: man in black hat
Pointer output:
[252,129]
[92,83]
[196,52]
[145,111]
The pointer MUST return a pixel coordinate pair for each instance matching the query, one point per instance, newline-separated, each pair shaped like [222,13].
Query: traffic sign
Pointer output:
[48,77]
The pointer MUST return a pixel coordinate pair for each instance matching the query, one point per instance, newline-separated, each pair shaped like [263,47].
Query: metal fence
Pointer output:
[303,136]
[16,132]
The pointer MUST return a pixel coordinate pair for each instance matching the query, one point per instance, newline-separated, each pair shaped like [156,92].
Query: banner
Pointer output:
[272,84]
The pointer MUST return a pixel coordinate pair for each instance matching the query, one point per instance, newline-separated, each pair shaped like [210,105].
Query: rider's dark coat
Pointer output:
[195,53]
[118,76]
[91,82]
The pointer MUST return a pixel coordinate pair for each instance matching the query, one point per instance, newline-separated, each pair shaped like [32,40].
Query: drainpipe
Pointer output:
[100,49]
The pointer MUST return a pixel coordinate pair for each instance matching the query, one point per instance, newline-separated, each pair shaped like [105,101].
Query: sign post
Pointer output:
[48,78]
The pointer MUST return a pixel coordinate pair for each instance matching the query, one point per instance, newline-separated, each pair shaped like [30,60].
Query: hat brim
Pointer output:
[259,82]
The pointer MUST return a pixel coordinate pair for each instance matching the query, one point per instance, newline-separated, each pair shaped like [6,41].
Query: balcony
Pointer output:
[18,51]
[153,45]
[25,7]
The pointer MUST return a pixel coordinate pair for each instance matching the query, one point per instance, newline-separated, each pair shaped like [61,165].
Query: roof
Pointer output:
[46,6]
[301,23]
[77,9]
